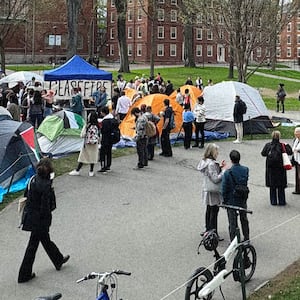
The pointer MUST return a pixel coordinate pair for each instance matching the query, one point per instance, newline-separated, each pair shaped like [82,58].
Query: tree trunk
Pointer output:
[73,8]
[2,55]
[152,50]
[231,64]
[189,60]
[124,61]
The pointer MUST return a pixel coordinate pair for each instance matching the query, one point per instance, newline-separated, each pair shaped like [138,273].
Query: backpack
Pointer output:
[243,107]
[274,156]
[115,131]
[172,121]
[92,135]
[150,129]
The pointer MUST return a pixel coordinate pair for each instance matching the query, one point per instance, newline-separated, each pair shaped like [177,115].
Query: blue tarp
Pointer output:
[76,68]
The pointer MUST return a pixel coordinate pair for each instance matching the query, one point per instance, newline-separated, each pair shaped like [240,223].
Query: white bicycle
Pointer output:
[202,283]
[107,283]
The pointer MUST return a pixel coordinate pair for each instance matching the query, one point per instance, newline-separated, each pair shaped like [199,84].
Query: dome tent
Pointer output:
[219,101]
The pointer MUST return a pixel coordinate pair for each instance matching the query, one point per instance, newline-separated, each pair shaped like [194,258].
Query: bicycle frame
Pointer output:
[221,276]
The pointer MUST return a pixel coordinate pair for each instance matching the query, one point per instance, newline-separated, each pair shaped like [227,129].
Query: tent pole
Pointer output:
[250,125]
[10,183]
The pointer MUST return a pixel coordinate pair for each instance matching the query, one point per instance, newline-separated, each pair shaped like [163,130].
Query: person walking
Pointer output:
[106,143]
[188,119]
[236,175]
[296,159]
[199,113]
[89,151]
[123,105]
[141,138]
[152,141]
[238,113]
[37,219]
[275,176]
[281,94]
[212,173]
[165,134]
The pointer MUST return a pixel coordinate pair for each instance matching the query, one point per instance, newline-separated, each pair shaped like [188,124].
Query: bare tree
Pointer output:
[13,13]
[73,10]
[121,7]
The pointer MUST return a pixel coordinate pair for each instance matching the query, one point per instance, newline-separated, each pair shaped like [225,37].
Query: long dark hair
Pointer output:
[44,168]
[92,119]
[37,97]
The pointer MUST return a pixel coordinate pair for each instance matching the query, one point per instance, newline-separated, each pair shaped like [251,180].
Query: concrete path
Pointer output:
[147,222]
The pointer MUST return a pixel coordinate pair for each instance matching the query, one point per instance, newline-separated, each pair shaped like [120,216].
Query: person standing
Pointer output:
[141,138]
[199,113]
[188,119]
[296,159]
[238,114]
[106,143]
[89,151]
[165,134]
[237,174]
[212,172]
[76,102]
[36,109]
[179,97]
[275,176]
[281,94]
[152,141]
[123,106]
[37,219]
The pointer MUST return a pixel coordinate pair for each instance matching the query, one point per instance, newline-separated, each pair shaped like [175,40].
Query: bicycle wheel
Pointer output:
[249,257]
[196,282]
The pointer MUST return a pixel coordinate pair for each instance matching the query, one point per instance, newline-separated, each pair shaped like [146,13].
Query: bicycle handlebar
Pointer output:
[93,275]
[227,206]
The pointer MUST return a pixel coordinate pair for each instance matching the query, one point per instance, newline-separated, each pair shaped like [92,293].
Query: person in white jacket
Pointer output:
[199,113]
[296,159]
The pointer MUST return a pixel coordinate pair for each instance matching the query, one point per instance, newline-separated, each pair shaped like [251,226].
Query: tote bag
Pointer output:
[210,186]
[287,165]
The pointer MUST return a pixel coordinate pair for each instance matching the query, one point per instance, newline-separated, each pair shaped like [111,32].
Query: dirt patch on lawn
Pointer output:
[269,93]
[279,283]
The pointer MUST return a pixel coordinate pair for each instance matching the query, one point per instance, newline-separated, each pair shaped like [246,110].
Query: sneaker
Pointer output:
[195,146]
[74,173]
[91,174]
[107,169]
[236,142]
[103,170]
[138,167]
[65,259]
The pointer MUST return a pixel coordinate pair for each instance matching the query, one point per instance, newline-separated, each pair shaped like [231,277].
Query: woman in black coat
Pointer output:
[276,178]
[37,219]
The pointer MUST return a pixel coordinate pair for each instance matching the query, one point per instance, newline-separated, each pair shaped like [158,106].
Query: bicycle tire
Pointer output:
[249,263]
[202,276]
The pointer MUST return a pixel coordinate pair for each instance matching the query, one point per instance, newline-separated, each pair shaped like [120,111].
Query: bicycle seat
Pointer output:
[52,297]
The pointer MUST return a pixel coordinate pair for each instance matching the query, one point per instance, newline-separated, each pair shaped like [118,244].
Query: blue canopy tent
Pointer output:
[76,68]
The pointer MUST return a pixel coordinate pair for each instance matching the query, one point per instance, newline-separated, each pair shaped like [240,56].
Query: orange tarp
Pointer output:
[156,102]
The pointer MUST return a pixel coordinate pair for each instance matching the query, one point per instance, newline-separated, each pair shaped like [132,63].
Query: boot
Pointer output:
[282,108]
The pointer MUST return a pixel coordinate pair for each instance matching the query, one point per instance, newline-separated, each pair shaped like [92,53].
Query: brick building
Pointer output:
[42,36]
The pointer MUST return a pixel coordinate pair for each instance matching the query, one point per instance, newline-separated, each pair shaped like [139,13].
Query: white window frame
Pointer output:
[129,15]
[298,38]
[173,50]
[199,50]
[288,39]
[111,50]
[298,52]
[199,34]
[278,52]
[173,33]
[160,32]
[173,14]
[160,50]
[139,32]
[289,27]
[160,14]
[112,3]
[129,49]
[209,35]
[140,14]
[112,33]
[173,2]
[258,52]
[210,50]
[161,1]
[112,17]
[139,50]
[129,32]
[288,52]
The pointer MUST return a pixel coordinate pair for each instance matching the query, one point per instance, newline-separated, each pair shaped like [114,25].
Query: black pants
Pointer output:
[79,166]
[165,142]
[151,148]
[142,152]
[211,217]
[28,260]
[105,156]
[277,195]
[199,127]
[297,178]
[233,223]
[188,130]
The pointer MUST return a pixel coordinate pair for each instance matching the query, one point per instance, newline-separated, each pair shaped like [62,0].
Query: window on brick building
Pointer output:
[288,52]
[130,32]
[129,15]
[298,26]
[198,50]
[112,17]
[199,33]
[173,2]
[298,39]
[258,52]
[160,32]
[160,50]
[139,32]
[288,27]
[173,15]
[111,50]
[173,50]
[129,49]
[160,14]
[112,33]
[209,35]
[161,1]
[199,19]
[112,3]
[130,1]
[221,34]
[298,52]
[173,33]
[288,39]
[139,49]
[278,52]
[221,20]
[209,50]
[140,14]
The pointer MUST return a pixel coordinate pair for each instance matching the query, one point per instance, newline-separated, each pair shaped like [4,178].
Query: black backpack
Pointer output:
[243,107]
[115,131]
[274,156]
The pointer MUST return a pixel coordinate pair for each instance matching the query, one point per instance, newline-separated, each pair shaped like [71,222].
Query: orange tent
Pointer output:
[156,102]
[194,92]
[130,93]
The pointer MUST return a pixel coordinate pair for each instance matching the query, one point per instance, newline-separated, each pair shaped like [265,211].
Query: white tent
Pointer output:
[219,102]
[21,76]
